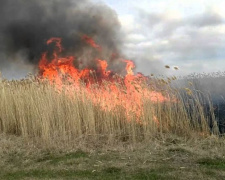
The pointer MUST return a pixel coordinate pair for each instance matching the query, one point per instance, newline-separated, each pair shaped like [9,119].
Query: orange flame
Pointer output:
[91,42]
[102,88]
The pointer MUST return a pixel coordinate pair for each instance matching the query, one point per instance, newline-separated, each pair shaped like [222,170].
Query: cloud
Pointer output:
[135,37]
[191,42]
[205,19]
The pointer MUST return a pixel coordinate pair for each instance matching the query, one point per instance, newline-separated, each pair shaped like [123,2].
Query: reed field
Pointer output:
[66,105]
[66,132]
[36,111]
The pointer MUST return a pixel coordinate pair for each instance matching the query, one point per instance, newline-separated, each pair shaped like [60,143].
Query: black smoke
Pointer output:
[25,26]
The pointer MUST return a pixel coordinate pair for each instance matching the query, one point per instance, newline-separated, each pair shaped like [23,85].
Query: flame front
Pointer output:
[103,87]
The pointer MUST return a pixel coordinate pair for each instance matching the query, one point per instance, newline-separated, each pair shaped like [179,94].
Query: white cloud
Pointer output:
[127,22]
[136,37]
[187,33]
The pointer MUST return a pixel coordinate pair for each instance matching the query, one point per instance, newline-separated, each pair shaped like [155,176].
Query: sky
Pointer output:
[189,34]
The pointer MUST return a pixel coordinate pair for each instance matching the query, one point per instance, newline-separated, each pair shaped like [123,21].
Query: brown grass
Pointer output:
[172,157]
[35,111]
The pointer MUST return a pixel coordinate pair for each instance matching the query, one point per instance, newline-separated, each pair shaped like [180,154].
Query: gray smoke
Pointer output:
[25,26]
[207,89]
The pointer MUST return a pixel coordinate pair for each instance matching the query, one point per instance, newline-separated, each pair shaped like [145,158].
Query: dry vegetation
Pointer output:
[49,134]
[172,157]
[36,111]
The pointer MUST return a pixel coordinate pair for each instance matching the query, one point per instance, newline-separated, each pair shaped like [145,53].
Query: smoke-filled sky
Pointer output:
[185,33]
[25,26]
[189,34]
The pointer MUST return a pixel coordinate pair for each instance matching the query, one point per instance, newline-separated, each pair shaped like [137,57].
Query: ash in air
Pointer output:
[25,26]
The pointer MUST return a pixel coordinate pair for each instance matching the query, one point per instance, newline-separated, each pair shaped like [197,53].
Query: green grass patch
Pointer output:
[112,170]
[40,174]
[154,174]
[109,173]
[212,163]
[178,150]
[54,159]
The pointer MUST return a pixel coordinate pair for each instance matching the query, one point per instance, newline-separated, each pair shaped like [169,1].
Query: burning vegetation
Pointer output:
[67,103]
[102,86]
[84,89]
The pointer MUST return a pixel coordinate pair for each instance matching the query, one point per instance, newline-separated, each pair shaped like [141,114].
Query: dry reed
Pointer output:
[34,110]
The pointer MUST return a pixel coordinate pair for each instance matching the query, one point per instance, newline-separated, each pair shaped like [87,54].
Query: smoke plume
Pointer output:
[25,26]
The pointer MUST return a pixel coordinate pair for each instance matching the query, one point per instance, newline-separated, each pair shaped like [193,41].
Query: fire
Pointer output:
[91,42]
[103,87]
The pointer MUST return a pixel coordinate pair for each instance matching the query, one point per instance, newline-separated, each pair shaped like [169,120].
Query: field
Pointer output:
[171,158]
[49,132]
[87,111]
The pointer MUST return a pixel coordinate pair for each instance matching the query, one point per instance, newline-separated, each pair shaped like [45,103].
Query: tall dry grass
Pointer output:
[34,110]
